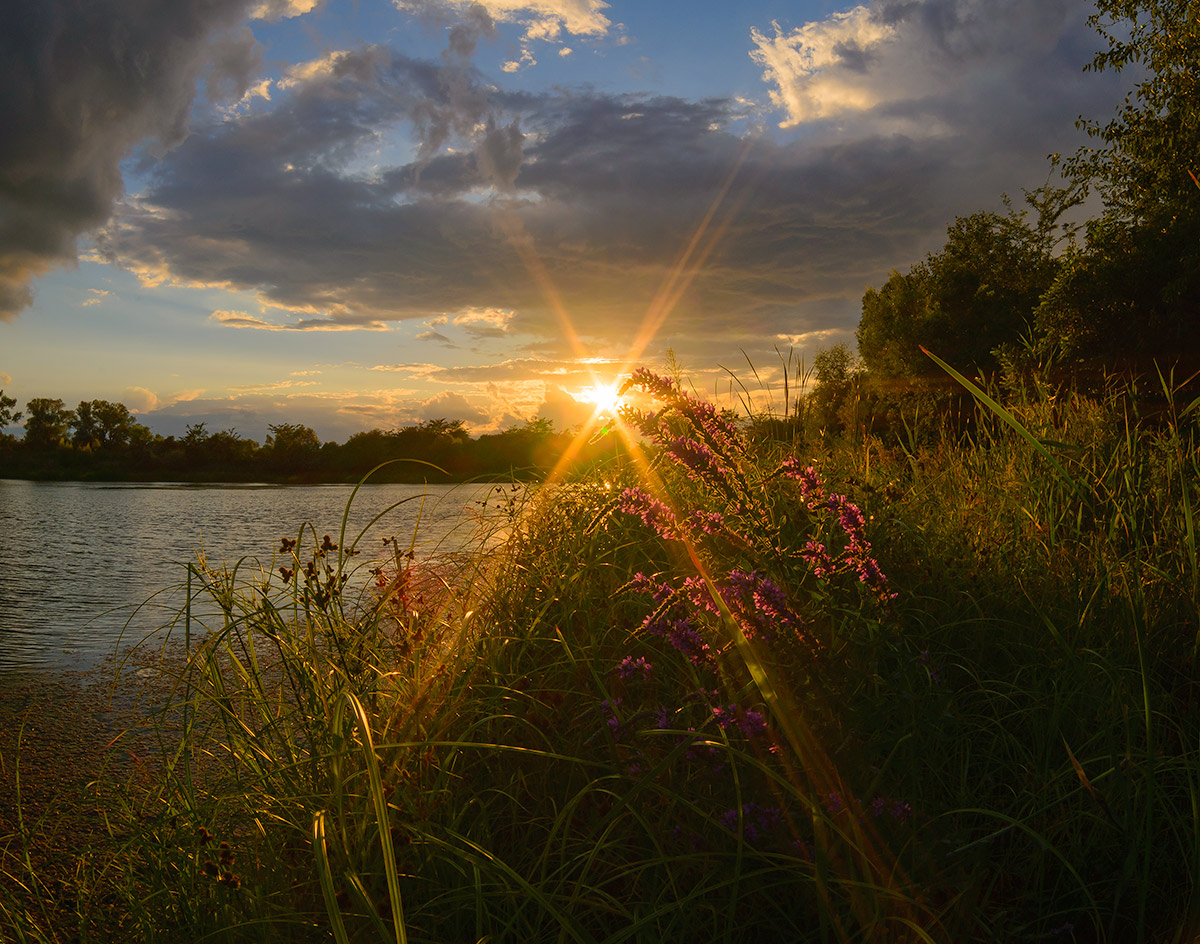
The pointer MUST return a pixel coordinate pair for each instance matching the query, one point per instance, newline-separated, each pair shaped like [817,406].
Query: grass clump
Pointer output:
[712,691]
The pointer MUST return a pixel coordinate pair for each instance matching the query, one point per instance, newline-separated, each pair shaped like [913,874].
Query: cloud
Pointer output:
[542,19]
[85,82]
[97,296]
[279,9]
[437,336]
[335,415]
[587,208]
[453,406]
[563,410]
[813,67]
[140,400]
[241,319]
[913,62]
[484,322]
[5,379]
[277,385]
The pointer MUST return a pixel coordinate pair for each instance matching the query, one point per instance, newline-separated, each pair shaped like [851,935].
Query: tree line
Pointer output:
[101,440]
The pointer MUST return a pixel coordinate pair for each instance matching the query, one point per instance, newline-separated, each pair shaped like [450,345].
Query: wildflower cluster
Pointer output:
[752,559]
[691,432]
[855,555]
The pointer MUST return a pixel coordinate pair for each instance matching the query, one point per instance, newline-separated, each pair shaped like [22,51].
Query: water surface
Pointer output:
[77,559]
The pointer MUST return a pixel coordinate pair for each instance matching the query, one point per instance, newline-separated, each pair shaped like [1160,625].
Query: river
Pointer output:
[88,567]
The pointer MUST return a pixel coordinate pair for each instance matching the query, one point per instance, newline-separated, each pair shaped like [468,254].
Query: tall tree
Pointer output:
[46,423]
[1147,157]
[85,432]
[8,416]
[975,295]
[293,447]
[1135,286]
[117,426]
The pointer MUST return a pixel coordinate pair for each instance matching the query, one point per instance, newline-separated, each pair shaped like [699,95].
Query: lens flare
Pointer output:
[605,397]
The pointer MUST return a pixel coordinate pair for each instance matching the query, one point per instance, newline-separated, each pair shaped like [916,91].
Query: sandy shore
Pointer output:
[72,742]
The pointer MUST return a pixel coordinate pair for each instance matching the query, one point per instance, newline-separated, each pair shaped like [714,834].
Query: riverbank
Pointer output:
[77,749]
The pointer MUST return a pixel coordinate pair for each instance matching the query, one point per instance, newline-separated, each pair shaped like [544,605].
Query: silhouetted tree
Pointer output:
[85,431]
[292,447]
[46,424]
[8,416]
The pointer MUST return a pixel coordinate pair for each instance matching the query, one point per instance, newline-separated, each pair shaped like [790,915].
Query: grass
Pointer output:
[635,721]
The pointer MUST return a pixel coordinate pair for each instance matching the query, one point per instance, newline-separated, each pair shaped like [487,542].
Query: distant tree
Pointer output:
[835,371]
[101,424]
[85,431]
[8,416]
[228,448]
[117,426]
[292,447]
[46,424]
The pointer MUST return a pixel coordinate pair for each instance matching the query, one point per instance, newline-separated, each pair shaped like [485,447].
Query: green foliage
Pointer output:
[101,424]
[1149,152]
[834,373]
[975,295]
[1135,287]
[46,423]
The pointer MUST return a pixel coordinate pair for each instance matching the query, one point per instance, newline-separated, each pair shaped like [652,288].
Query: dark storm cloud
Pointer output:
[84,82]
[590,199]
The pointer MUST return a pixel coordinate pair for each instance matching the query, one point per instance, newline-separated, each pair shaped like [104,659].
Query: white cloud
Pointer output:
[565,51]
[98,295]
[453,406]
[140,400]
[278,9]
[516,65]
[886,58]
[542,19]
[816,69]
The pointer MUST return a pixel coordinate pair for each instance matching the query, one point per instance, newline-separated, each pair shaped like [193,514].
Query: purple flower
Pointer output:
[756,821]
[698,459]
[708,522]
[643,584]
[901,811]
[675,625]
[818,559]
[751,723]
[629,667]
[811,489]
[654,514]
[612,721]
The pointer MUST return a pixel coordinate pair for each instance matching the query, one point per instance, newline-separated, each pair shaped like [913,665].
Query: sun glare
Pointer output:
[604,397]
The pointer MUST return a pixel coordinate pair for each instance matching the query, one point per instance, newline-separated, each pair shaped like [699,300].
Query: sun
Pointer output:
[604,397]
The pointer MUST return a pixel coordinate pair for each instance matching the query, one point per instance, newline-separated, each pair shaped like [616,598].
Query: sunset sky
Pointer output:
[365,213]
